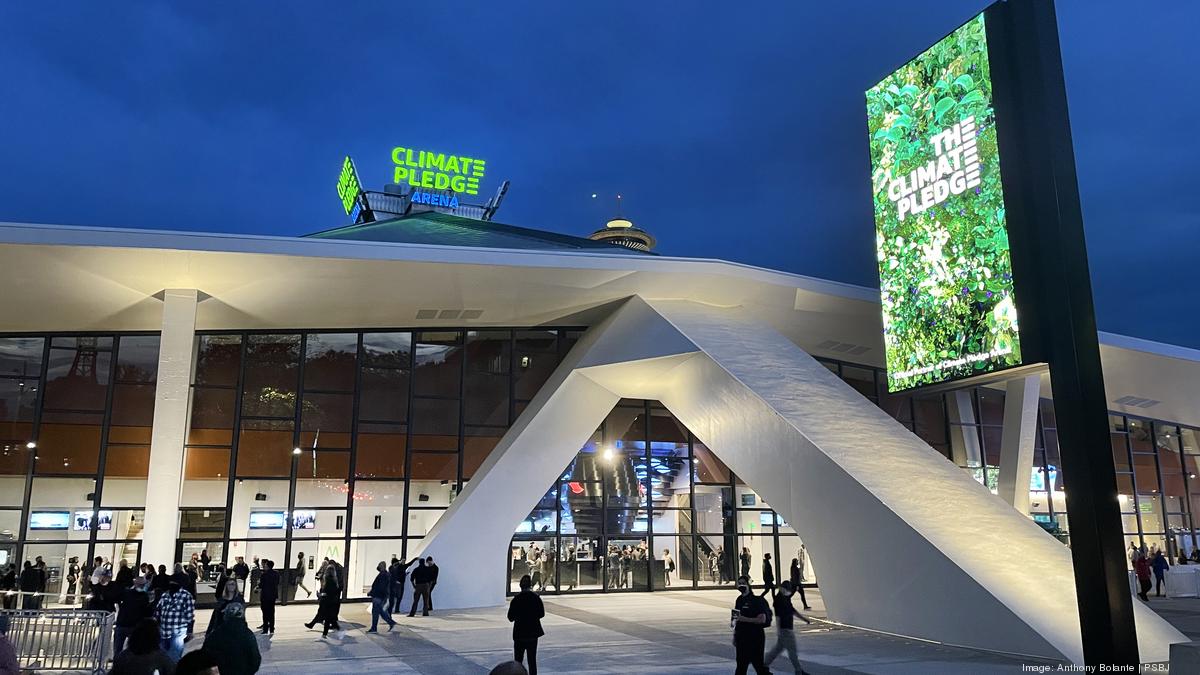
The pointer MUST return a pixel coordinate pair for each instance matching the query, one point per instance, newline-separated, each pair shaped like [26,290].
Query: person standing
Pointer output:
[241,570]
[785,638]
[1141,566]
[298,575]
[8,584]
[668,566]
[124,578]
[399,574]
[1160,566]
[228,593]
[420,582]
[433,578]
[28,586]
[204,561]
[133,605]
[143,655]
[526,612]
[268,595]
[381,590]
[176,612]
[768,570]
[232,644]
[751,616]
[331,600]
[745,559]
[798,582]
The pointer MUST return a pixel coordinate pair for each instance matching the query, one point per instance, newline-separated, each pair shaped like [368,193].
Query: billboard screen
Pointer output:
[945,270]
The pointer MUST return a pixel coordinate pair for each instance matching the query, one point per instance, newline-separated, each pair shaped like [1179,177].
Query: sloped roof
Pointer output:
[443,229]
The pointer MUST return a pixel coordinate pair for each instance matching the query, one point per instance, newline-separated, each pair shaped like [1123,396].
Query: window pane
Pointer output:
[14,461]
[272,367]
[390,350]
[329,361]
[706,467]
[78,375]
[132,418]
[477,445]
[212,416]
[18,397]
[381,449]
[535,359]
[1139,436]
[218,360]
[438,364]
[384,396]
[127,461]
[1144,474]
[68,443]
[265,448]
[435,424]
[379,499]
[325,419]
[206,463]
[434,466]
[862,379]
[931,419]
[324,464]
[21,356]
[137,359]
[1120,450]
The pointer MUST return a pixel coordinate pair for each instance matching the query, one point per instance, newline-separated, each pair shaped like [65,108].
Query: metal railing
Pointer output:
[61,639]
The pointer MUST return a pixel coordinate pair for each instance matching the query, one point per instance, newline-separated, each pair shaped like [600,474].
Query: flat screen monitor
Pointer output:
[267,520]
[82,521]
[304,520]
[50,520]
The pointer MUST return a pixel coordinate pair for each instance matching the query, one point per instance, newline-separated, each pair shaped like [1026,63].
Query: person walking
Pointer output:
[526,612]
[668,566]
[268,595]
[331,600]
[751,616]
[133,606]
[381,590]
[232,644]
[433,578]
[785,638]
[298,575]
[1141,566]
[144,655]
[176,612]
[1160,566]
[768,576]
[798,582]
[420,582]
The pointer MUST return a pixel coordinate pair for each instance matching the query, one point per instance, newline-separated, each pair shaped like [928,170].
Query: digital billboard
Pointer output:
[349,187]
[945,269]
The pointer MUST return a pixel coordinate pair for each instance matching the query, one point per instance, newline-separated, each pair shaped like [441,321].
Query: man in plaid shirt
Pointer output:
[176,611]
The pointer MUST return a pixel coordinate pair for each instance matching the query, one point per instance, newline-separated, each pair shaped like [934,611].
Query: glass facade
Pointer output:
[346,445]
[76,414]
[351,444]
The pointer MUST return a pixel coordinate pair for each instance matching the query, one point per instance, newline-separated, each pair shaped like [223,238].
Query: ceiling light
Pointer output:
[295,451]
[31,445]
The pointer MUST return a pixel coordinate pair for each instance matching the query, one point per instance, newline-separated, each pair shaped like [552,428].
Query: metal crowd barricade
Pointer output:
[61,639]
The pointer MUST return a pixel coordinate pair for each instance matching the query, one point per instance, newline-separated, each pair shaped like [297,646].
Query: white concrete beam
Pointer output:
[1017,439]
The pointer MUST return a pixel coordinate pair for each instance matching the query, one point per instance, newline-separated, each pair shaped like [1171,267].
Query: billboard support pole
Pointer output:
[1048,242]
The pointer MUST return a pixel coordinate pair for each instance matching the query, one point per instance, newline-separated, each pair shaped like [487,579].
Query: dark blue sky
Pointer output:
[733,131]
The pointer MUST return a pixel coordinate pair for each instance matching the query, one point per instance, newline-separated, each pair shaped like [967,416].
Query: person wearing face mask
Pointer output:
[785,638]
[751,616]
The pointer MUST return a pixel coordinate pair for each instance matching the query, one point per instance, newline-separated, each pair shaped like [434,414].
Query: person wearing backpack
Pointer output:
[751,617]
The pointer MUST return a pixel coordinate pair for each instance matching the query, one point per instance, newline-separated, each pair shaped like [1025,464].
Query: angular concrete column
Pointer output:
[1016,440]
[964,435]
[171,398]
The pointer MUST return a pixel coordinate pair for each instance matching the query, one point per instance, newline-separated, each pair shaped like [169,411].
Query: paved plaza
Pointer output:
[664,632]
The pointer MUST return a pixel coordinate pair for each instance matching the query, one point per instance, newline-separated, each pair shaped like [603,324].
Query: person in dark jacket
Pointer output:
[240,569]
[327,607]
[232,644]
[381,590]
[268,595]
[29,585]
[143,656]
[768,576]
[133,605]
[421,578]
[797,582]
[399,574]
[750,617]
[526,612]
[8,582]
[229,594]
[433,578]
[124,578]
[1160,566]
[104,592]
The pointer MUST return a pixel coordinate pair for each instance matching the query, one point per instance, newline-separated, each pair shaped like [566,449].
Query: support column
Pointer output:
[171,397]
[1016,440]
[964,433]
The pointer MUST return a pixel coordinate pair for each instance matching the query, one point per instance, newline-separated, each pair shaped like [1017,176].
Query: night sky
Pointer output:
[734,131]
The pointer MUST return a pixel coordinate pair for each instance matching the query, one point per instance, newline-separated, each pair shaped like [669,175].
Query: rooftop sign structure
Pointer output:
[422,169]
[349,188]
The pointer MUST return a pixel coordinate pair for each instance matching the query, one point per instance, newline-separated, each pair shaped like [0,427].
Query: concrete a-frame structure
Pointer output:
[945,559]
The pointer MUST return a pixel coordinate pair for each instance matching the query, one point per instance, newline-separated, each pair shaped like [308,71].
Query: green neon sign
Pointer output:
[348,186]
[438,171]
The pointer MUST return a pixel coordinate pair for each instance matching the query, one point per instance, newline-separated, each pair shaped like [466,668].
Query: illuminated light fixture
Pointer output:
[695,460]
[295,451]
[31,444]
[1191,475]
[608,454]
